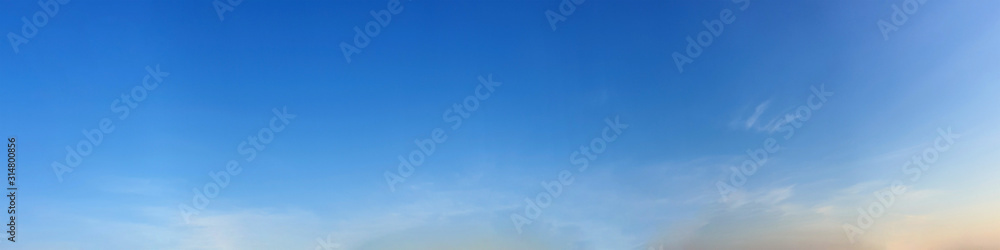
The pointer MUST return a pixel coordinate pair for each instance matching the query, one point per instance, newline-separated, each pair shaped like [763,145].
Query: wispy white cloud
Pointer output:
[770,219]
[755,120]
[759,110]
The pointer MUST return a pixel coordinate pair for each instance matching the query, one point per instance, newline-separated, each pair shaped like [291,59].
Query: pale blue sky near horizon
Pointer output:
[323,174]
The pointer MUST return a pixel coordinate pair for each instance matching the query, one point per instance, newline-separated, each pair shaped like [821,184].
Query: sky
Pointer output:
[541,124]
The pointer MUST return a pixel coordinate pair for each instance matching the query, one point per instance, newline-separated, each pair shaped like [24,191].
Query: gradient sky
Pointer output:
[656,185]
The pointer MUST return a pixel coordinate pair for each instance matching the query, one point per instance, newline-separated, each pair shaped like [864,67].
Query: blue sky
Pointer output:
[323,175]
